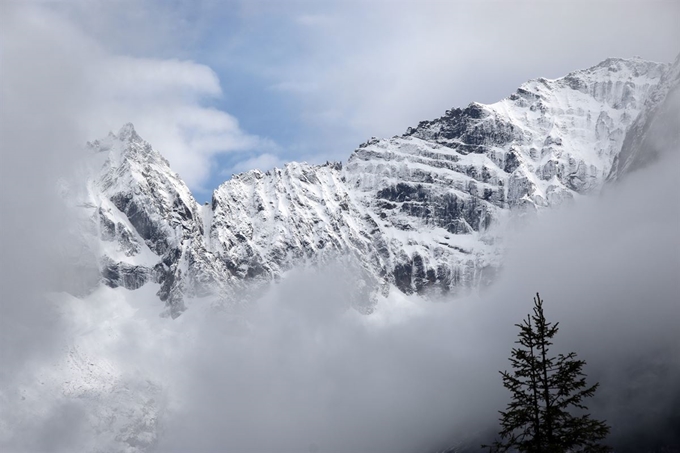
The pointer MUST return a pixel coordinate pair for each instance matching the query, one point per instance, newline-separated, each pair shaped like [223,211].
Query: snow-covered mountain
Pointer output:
[423,212]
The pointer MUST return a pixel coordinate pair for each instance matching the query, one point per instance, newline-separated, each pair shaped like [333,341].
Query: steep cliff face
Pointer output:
[655,130]
[423,212]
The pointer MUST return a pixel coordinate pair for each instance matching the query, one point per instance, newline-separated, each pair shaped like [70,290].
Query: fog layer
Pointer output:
[419,375]
[300,372]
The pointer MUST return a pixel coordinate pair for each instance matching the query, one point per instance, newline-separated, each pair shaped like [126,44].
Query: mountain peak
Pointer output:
[423,212]
[128,133]
[629,67]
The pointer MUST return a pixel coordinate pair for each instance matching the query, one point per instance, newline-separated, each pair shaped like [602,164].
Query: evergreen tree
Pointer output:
[547,392]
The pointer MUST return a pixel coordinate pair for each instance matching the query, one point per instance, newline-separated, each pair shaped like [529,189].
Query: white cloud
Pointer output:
[384,66]
[168,100]
[262,162]
[313,20]
[132,77]
[165,101]
[295,86]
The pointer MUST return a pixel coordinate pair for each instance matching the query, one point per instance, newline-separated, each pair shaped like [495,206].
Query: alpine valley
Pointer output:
[423,212]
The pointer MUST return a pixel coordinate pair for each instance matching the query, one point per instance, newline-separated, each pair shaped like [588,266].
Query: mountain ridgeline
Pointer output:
[419,213]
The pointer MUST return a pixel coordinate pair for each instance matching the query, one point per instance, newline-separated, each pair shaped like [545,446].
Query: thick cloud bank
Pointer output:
[417,375]
[299,372]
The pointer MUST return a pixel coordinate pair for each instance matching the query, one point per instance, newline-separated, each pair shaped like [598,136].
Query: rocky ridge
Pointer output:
[422,212]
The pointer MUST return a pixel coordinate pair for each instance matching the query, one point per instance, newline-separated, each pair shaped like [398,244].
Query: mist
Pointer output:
[39,141]
[299,371]
[418,376]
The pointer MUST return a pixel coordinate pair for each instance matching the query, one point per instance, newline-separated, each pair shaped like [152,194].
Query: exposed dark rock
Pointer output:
[125,275]
[152,232]
[107,227]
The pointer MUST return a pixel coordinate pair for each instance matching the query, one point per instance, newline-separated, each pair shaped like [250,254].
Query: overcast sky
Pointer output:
[225,86]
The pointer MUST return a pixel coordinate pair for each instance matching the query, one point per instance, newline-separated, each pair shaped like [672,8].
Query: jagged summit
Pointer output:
[128,133]
[636,64]
[423,212]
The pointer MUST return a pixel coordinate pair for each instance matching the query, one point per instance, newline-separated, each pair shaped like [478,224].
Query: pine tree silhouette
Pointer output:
[546,413]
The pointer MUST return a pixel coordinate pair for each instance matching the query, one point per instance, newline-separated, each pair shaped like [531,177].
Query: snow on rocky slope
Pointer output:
[422,212]
[143,223]
[655,130]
